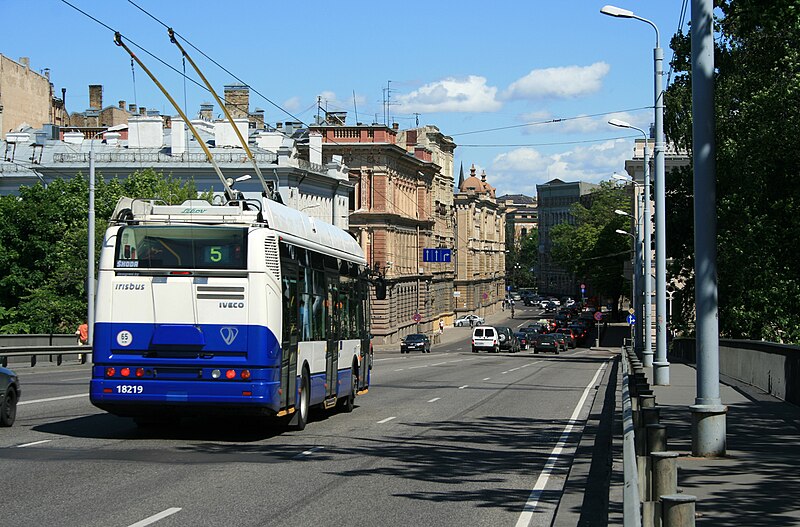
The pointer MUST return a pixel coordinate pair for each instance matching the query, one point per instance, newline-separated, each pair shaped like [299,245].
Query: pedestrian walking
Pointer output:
[83,337]
[441,325]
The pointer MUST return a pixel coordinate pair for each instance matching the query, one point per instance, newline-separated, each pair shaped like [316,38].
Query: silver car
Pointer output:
[9,395]
[468,320]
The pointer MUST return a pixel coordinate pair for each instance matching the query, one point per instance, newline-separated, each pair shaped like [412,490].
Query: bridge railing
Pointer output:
[55,354]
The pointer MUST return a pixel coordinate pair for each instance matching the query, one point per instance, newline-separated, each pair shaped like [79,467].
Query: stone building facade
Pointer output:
[555,199]
[480,248]
[392,215]
[26,97]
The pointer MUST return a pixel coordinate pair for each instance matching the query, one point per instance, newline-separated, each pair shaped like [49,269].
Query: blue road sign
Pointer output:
[437,255]
[631,319]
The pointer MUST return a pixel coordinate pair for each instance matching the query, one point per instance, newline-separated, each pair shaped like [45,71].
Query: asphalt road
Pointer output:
[446,438]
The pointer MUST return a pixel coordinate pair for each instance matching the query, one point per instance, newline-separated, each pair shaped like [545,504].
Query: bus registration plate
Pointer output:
[130,388]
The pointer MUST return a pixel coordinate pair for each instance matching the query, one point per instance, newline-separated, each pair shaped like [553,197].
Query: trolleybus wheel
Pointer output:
[350,402]
[304,402]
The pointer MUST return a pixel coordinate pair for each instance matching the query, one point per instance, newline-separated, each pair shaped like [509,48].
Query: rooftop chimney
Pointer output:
[121,105]
[207,111]
[25,61]
[96,96]
[132,108]
[142,110]
[237,100]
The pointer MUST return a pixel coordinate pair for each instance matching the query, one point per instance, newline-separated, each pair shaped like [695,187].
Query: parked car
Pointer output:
[468,320]
[546,342]
[508,341]
[9,396]
[415,342]
[522,338]
[485,338]
[572,340]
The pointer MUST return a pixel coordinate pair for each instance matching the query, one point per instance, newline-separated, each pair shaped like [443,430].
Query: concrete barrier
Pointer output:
[774,368]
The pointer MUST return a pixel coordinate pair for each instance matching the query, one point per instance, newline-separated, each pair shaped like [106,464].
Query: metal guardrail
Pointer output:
[631,505]
[34,352]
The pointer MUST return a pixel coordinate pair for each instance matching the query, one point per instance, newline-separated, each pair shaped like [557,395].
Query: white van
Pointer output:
[485,338]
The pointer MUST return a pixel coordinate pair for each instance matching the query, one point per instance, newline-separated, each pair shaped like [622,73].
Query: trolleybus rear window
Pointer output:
[181,247]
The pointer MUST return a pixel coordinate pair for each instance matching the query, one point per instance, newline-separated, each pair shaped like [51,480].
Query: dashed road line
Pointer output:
[154,518]
[308,452]
[386,420]
[462,387]
[34,443]
[487,378]
[434,399]
[49,399]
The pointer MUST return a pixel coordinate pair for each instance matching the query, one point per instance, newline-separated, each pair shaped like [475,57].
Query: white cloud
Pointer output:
[564,82]
[451,95]
[292,104]
[520,170]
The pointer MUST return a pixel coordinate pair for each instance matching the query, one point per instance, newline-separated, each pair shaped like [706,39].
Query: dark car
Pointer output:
[9,395]
[546,342]
[580,332]
[562,339]
[572,341]
[508,341]
[415,342]
[522,338]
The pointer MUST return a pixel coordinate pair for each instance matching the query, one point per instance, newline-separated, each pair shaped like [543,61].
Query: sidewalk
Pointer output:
[758,482]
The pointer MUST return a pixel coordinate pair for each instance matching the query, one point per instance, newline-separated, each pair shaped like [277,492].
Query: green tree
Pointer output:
[757,101]
[591,248]
[43,245]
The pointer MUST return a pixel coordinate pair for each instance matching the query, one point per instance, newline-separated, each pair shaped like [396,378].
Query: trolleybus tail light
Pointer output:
[247,394]
[230,374]
[215,374]
[140,372]
[110,372]
[245,374]
[125,372]
[180,273]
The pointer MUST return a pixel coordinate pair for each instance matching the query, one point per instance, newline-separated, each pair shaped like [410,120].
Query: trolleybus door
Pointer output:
[332,348]
[289,336]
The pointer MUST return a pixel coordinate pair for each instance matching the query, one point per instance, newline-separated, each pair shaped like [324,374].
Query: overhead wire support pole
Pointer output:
[225,110]
[228,190]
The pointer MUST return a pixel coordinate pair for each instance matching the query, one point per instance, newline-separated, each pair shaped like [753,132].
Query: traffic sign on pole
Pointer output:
[631,319]
[598,316]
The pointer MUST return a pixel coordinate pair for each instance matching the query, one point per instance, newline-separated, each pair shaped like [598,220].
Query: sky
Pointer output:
[491,75]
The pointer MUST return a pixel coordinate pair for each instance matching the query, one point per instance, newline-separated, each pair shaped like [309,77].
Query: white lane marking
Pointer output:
[438,364]
[386,420]
[87,379]
[513,369]
[401,369]
[459,349]
[308,452]
[459,360]
[462,387]
[487,378]
[434,399]
[415,367]
[49,399]
[503,372]
[34,443]
[155,517]
[530,507]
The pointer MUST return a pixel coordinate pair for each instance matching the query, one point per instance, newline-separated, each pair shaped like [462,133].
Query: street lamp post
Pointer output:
[647,352]
[638,278]
[660,365]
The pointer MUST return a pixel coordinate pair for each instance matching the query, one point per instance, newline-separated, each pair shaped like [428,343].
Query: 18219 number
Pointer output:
[129,388]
